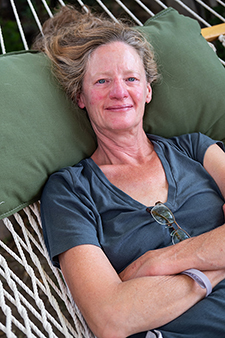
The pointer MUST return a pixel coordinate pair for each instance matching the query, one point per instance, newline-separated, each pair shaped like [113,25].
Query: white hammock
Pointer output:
[40,304]
[193,8]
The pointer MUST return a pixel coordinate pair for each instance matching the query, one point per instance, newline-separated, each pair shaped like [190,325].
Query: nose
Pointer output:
[118,90]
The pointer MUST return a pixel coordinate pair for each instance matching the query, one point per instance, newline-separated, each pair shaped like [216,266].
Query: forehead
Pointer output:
[114,54]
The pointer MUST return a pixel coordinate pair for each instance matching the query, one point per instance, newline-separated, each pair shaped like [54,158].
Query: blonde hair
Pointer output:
[70,37]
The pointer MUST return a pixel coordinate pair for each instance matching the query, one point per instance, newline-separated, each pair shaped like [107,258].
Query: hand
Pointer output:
[158,262]
[204,252]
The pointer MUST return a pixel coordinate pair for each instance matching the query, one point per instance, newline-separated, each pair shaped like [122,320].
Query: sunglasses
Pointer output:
[163,215]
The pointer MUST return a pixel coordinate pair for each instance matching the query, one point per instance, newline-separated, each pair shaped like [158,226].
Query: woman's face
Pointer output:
[115,88]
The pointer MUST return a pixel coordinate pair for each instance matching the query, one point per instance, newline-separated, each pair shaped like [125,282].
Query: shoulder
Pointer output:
[191,138]
[193,145]
[67,178]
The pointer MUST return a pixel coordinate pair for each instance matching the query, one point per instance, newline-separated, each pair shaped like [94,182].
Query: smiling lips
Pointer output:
[120,107]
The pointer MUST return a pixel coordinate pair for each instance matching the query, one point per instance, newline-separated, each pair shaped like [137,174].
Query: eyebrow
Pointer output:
[108,74]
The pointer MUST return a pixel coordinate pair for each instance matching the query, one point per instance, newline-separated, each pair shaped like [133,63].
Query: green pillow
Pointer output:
[191,95]
[41,131]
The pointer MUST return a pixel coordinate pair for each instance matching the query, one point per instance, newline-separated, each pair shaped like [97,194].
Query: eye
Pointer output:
[101,81]
[131,79]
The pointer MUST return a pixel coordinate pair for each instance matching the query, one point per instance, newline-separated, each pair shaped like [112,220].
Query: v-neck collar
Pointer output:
[158,147]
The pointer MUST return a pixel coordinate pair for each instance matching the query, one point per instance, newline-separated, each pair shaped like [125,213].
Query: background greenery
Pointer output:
[11,34]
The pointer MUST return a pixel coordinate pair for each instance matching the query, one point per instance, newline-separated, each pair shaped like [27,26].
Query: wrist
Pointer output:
[215,276]
[200,278]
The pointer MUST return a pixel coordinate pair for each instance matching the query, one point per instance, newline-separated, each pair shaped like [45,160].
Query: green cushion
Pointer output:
[191,94]
[41,131]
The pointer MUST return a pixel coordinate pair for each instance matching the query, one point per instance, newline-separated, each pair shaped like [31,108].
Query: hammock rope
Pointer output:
[30,254]
[19,25]
[163,4]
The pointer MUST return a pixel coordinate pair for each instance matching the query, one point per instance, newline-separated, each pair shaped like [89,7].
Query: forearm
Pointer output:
[204,252]
[210,250]
[113,308]
[155,301]
[165,298]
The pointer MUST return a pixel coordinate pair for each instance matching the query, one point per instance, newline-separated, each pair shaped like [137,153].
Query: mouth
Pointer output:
[120,108]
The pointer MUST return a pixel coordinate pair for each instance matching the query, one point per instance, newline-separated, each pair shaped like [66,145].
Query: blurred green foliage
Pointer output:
[12,41]
[11,33]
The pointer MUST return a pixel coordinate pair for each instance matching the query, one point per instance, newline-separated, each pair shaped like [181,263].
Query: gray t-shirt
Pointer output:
[80,206]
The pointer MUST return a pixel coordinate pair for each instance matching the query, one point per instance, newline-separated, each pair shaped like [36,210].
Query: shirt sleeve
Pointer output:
[68,216]
[195,145]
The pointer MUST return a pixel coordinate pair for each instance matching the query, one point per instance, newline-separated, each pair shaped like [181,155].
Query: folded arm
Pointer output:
[204,252]
[148,294]
[113,308]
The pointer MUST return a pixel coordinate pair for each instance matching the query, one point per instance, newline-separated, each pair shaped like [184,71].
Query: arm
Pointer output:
[113,308]
[214,163]
[204,252]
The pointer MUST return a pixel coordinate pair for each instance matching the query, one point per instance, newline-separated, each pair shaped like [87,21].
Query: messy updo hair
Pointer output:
[70,37]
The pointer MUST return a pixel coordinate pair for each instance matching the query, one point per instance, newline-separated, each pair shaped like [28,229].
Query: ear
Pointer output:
[80,101]
[149,93]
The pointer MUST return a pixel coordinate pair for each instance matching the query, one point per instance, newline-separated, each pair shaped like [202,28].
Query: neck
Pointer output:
[122,148]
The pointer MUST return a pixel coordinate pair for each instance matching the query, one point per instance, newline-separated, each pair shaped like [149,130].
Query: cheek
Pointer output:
[95,98]
[140,95]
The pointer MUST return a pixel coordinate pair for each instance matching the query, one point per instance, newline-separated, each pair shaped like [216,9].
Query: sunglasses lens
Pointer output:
[179,235]
[162,214]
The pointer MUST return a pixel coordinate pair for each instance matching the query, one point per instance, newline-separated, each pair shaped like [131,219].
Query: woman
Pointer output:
[124,274]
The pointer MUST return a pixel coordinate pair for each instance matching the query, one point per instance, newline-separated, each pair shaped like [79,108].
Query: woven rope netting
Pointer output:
[207,12]
[34,300]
